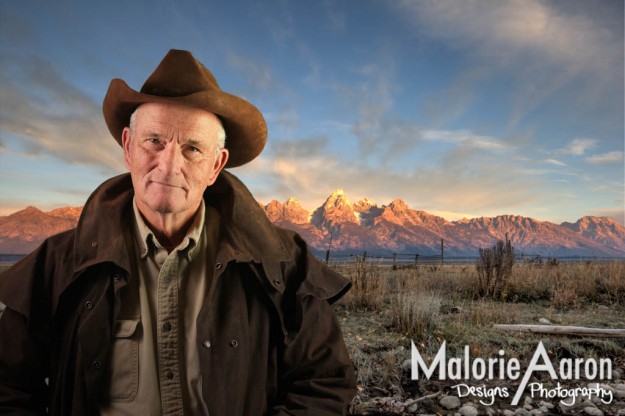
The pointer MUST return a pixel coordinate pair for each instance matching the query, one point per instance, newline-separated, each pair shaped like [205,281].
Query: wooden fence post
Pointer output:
[442,251]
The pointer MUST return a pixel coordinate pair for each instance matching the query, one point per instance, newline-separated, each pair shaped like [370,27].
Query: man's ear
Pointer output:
[126,140]
[220,163]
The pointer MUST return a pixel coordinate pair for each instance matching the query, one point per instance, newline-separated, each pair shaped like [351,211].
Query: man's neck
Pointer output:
[169,228]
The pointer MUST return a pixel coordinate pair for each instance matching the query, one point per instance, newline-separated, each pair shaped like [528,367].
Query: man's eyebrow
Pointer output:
[194,142]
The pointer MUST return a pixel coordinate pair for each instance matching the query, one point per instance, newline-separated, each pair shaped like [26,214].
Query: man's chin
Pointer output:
[164,207]
[164,210]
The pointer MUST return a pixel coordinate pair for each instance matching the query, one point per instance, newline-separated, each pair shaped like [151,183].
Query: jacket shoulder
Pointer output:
[53,259]
[315,278]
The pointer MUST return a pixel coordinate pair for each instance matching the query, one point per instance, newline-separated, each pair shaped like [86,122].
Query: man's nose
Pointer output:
[171,159]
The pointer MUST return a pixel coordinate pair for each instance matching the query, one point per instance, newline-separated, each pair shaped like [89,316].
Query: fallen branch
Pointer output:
[565,330]
[423,398]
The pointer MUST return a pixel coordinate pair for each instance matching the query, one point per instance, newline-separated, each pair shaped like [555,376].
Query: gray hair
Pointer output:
[221,132]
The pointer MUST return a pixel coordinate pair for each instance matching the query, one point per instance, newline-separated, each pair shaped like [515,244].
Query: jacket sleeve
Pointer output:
[318,376]
[22,385]
[23,337]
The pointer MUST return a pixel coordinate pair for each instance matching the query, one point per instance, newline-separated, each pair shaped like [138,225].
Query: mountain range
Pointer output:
[365,226]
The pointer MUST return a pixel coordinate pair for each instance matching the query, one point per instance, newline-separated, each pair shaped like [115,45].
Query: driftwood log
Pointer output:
[565,330]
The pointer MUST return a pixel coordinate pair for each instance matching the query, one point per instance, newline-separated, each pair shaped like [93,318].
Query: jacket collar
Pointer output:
[100,235]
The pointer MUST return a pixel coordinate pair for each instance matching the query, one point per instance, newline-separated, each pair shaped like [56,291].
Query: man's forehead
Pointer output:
[165,109]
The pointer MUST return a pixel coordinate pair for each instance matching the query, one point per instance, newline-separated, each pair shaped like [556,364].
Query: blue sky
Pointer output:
[461,108]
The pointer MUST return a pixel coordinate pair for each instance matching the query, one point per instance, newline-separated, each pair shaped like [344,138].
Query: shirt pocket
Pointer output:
[124,361]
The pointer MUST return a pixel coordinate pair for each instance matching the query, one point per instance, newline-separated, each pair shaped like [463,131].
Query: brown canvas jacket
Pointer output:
[269,341]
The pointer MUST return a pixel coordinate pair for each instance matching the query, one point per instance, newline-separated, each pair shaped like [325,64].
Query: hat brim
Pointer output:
[246,130]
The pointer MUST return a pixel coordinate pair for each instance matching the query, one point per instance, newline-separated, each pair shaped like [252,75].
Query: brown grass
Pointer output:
[368,286]
[387,309]
[568,285]
[415,315]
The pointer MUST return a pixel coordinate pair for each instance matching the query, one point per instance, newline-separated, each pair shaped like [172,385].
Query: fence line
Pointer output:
[415,259]
[394,258]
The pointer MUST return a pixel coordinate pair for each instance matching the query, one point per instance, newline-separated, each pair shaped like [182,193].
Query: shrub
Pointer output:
[494,267]
[368,286]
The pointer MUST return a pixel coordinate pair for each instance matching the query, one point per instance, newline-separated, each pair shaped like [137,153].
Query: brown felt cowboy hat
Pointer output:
[182,79]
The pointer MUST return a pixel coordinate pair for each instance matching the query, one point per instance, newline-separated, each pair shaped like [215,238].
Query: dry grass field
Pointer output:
[387,308]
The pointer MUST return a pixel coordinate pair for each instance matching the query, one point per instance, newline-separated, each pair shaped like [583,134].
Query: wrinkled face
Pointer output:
[173,155]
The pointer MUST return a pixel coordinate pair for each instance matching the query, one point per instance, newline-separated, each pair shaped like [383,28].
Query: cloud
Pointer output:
[514,29]
[300,148]
[465,180]
[555,162]
[313,64]
[452,102]
[534,172]
[54,117]
[464,137]
[610,157]
[262,86]
[541,47]
[257,75]
[617,214]
[335,18]
[381,135]
[578,147]
[308,178]
[287,120]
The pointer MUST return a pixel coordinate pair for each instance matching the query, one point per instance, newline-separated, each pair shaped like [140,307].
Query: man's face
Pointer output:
[172,157]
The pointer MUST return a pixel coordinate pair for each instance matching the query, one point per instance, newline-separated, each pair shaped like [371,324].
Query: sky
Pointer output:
[460,108]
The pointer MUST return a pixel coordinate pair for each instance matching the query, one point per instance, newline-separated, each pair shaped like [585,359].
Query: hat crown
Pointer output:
[179,74]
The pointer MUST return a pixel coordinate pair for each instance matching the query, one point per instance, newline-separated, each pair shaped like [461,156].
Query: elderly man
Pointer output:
[175,294]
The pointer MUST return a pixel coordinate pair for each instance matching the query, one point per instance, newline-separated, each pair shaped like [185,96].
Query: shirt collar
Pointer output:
[146,238]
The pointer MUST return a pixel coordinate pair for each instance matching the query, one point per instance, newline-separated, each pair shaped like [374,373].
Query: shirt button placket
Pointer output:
[169,355]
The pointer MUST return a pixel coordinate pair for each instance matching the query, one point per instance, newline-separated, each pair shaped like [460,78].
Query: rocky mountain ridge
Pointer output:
[365,225]
[396,227]
[23,231]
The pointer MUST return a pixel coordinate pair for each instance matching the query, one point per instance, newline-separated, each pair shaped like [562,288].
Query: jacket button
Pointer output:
[94,244]
[234,343]
[96,365]
[277,282]
[169,375]
[218,266]
[89,304]
[117,276]
[206,344]
[167,326]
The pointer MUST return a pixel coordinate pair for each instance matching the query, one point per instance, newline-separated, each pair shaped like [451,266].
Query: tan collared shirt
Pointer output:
[158,320]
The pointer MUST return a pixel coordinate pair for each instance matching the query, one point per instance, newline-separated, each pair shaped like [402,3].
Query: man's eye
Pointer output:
[193,149]
[152,141]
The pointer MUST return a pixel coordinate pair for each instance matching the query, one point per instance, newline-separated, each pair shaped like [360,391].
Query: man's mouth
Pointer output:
[166,184]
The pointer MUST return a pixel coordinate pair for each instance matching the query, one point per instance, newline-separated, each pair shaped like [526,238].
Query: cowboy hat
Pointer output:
[181,79]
